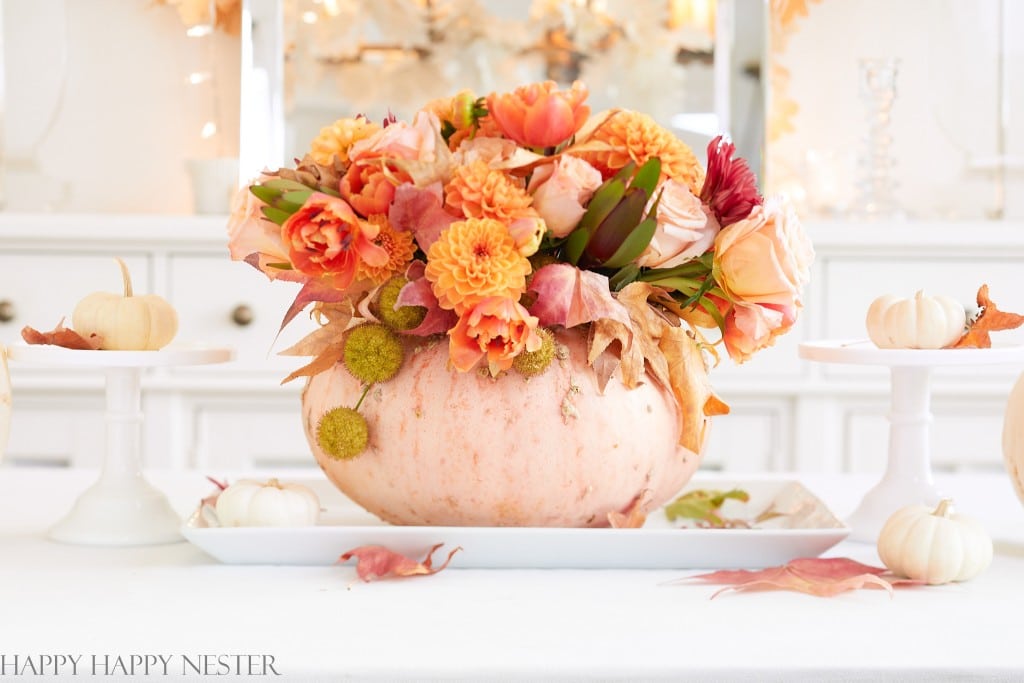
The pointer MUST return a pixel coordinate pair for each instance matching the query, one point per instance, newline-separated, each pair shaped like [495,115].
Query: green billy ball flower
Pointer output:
[342,433]
[405,317]
[532,363]
[373,353]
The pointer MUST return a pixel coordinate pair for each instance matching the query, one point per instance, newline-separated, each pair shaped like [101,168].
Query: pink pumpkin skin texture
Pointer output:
[462,449]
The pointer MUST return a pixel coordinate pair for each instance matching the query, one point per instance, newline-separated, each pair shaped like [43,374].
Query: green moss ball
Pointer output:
[405,317]
[373,353]
[532,363]
[342,433]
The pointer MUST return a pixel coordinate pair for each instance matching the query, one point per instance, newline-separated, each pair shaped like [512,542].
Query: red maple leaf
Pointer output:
[375,562]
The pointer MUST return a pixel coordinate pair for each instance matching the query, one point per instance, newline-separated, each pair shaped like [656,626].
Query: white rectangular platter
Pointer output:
[806,528]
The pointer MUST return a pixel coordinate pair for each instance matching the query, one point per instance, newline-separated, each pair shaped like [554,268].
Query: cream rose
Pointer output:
[765,258]
[685,230]
[560,190]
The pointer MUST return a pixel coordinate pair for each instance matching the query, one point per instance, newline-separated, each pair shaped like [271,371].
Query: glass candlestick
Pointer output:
[875,197]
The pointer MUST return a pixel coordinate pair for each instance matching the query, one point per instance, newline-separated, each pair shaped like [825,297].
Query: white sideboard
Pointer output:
[787,413]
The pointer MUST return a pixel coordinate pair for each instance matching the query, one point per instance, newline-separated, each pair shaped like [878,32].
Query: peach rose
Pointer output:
[249,232]
[325,238]
[750,328]
[489,150]
[765,258]
[539,115]
[496,327]
[685,230]
[560,190]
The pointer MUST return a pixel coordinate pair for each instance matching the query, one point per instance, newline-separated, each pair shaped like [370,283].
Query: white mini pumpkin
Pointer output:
[921,322]
[248,502]
[934,546]
[126,323]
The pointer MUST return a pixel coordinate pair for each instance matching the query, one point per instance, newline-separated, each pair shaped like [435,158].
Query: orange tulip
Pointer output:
[539,115]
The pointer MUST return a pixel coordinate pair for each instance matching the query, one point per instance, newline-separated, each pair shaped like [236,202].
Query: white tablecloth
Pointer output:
[318,623]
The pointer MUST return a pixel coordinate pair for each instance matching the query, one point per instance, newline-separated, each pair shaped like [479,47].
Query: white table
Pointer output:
[319,624]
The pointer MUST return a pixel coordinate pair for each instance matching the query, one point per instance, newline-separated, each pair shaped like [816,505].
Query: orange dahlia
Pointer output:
[478,191]
[399,246]
[475,259]
[637,137]
[336,139]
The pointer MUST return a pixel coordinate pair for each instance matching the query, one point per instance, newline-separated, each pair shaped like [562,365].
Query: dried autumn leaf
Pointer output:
[61,336]
[375,562]
[688,379]
[634,516]
[990,320]
[823,577]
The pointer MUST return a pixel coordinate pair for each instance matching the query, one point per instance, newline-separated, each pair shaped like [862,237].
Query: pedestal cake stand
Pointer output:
[908,474]
[121,508]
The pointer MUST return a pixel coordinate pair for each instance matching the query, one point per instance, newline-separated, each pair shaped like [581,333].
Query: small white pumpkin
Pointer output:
[248,502]
[934,546]
[126,323]
[922,322]
[1013,437]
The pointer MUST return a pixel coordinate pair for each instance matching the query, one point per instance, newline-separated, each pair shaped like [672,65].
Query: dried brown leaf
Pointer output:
[61,336]
[635,514]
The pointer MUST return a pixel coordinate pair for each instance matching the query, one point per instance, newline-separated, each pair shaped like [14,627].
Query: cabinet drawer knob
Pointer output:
[242,315]
[7,313]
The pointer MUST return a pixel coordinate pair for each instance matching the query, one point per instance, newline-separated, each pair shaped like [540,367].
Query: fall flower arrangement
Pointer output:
[486,222]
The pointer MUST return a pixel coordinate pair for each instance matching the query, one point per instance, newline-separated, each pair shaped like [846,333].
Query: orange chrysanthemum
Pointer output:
[475,259]
[399,246]
[336,139]
[478,191]
[637,137]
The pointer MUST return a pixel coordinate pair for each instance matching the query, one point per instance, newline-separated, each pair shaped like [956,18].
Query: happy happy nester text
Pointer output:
[137,665]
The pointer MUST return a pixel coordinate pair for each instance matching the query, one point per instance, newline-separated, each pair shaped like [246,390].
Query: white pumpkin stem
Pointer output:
[125,277]
[273,482]
[945,508]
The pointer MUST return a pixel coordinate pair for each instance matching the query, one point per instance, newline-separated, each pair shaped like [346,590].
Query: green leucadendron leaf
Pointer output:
[702,506]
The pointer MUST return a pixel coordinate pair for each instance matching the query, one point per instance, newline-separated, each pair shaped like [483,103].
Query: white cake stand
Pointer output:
[908,474]
[121,508]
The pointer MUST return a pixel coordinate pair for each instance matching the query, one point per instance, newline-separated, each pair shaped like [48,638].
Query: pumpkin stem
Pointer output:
[274,482]
[943,510]
[125,277]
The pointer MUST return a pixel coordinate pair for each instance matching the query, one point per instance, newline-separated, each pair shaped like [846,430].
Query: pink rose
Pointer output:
[765,258]
[489,150]
[561,189]
[325,238]
[685,229]
[496,327]
[251,233]
[750,328]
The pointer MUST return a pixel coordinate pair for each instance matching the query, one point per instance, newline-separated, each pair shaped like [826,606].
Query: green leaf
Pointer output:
[613,231]
[647,177]
[279,216]
[575,245]
[601,204]
[634,244]
[281,266]
[265,194]
[624,276]
[681,284]
[703,506]
[625,173]
[297,196]
[709,307]
[284,185]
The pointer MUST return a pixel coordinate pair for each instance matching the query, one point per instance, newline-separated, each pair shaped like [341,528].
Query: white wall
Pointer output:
[111,76]
[945,114]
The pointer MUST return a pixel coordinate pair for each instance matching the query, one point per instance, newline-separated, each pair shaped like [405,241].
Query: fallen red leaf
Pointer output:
[819,576]
[61,336]
[377,562]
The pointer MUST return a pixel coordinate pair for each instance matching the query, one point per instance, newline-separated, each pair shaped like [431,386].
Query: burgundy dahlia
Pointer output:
[730,187]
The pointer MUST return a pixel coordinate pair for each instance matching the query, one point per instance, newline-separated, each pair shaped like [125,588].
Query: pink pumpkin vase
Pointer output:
[448,448]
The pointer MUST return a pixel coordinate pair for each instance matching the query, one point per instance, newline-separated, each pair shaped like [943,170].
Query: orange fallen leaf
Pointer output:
[990,320]
[375,562]
[824,577]
[61,336]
